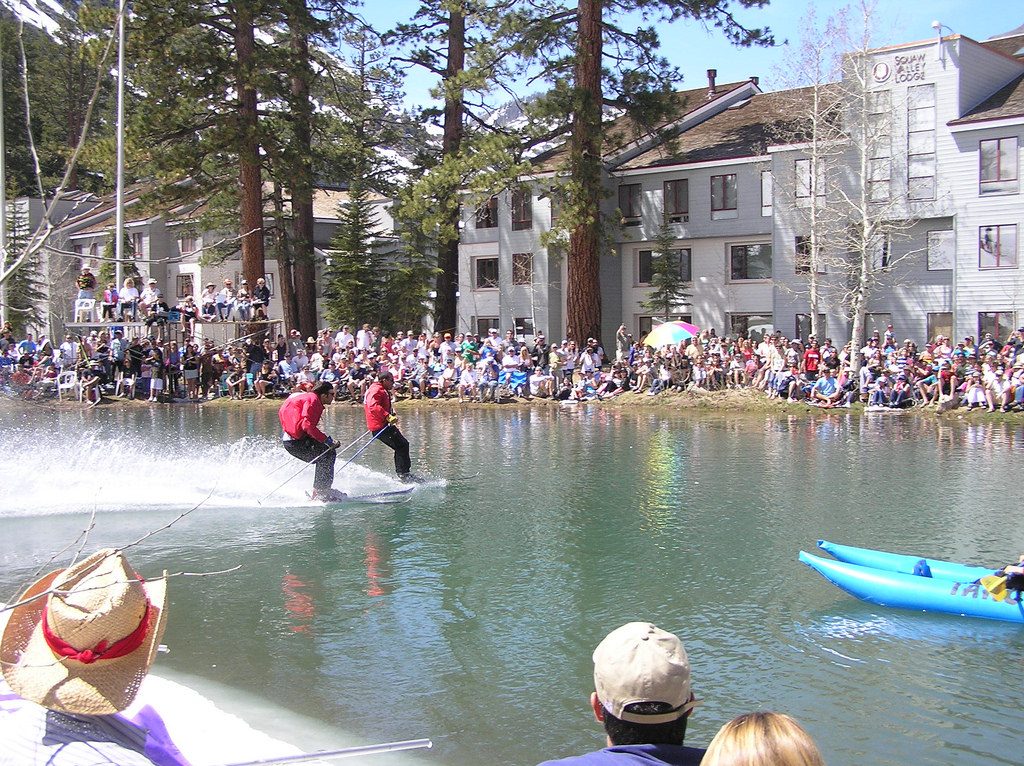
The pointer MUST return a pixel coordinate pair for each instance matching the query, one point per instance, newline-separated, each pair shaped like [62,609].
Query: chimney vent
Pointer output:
[712,74]
[755,80]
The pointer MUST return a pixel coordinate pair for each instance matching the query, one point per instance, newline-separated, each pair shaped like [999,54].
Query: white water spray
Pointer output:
[131,473]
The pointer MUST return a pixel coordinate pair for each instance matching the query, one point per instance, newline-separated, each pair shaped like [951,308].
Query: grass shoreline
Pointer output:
[743,401]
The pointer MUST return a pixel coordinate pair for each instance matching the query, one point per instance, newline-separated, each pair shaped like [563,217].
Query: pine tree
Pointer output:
[593,61]
[459,43]
[668,281]
[355,279]
[199,130]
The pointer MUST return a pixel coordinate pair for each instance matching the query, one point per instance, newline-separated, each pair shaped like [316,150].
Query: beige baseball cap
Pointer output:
[640,662]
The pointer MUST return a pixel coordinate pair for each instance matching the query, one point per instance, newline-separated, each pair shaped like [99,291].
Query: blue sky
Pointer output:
[695,50]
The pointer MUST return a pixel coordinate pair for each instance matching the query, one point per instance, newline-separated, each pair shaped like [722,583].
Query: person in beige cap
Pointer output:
[643,699]
[76,647]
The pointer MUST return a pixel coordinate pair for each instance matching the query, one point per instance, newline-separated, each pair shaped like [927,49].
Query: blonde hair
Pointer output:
[762,739]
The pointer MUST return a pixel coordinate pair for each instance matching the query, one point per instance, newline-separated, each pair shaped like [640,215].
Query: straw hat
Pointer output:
[86,647]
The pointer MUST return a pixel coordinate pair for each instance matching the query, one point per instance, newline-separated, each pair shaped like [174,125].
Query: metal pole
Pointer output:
[345,752]
[119,215]
[3,198]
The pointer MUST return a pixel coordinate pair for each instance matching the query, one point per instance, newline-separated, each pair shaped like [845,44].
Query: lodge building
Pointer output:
[729,187]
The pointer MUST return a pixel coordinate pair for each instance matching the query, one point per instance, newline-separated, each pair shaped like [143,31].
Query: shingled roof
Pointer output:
[743,130]
[623,131]
[1006,102]
[1010,44]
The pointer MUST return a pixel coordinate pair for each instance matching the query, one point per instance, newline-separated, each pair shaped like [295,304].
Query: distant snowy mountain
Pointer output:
[44,14]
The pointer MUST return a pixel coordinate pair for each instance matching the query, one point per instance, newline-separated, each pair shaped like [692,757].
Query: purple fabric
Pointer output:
[160,749]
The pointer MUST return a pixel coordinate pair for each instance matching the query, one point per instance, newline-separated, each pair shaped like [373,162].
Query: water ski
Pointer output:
[392,496]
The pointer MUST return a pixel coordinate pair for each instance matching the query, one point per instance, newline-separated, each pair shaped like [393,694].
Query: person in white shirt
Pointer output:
[449,349]
[67,353]
[149,296]
[226,301]
[448,378]
[343,338]
[208,302]
[364,338]
[467,381]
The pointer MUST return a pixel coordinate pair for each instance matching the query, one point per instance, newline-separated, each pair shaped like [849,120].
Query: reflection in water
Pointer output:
[297,603]
[373,561]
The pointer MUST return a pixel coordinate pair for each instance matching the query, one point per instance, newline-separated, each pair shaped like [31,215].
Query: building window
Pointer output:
[646,323]
[522,210]
[878,322]
[94,250]
[940,323]
[646,260]
[802,173]
[484,324]
[723,196]
[137,244]
[802,261]
[750,262]
[185,285]
[941,250]
[998,173]
[879,123]
[879,179]
[997,247]
[522,268]
[921,141]
[1000,323]
[752,326]
[629,204]
[486,273]
[803,326]
[524,326]
[879,143]
[881,252]
[186,244]
[487,214]
[677,201]
[766,192]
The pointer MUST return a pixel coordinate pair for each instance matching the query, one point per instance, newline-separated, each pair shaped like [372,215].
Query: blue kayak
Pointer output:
[886,579]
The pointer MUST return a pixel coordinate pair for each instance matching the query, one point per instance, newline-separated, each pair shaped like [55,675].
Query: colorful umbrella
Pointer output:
[670,333]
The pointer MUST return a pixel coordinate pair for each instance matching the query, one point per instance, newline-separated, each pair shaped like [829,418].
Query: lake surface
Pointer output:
[468,614]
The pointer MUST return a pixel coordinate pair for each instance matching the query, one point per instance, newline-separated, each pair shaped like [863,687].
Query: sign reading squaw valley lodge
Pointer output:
[909,68]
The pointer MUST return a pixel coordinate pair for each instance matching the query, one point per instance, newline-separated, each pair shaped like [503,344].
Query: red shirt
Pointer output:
[811,359]
[377,406]
[300,416]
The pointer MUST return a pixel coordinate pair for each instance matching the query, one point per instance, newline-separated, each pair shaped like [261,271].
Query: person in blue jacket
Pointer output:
[643,699]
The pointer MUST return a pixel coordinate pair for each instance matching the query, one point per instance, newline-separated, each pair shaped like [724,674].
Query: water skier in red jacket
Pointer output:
[300,420]
[381,419]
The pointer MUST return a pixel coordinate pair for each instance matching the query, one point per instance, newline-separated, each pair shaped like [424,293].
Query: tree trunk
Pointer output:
[446,304]
[285,287]
[583,291]
[249,173]
[302,183]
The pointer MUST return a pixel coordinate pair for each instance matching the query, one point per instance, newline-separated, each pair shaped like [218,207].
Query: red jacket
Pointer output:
[378,407]
[300,416]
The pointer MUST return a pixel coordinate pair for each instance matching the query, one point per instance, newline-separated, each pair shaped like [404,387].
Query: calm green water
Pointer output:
[468,614]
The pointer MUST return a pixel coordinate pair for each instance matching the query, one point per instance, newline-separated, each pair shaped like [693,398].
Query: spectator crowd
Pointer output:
[884,374]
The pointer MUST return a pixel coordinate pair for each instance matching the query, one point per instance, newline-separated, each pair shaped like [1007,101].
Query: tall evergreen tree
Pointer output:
[457,42]
[200,128]
[593,61]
